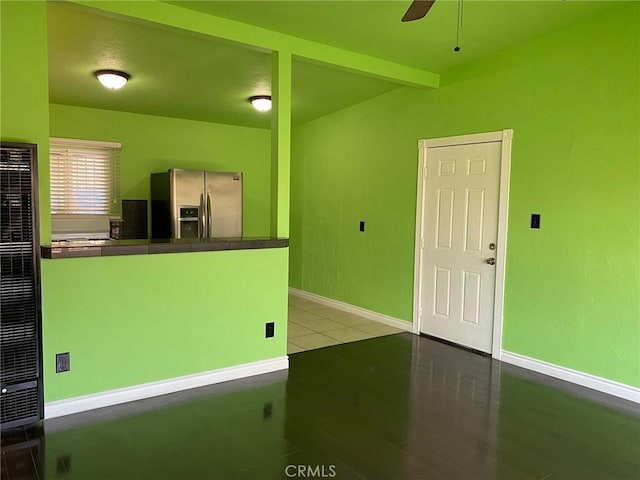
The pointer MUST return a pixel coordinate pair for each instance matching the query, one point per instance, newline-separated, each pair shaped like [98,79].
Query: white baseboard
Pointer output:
[574,376]
[146,390]
[345,307]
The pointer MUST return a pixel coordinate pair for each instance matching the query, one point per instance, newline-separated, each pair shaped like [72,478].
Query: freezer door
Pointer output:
[187,203]
[224,204]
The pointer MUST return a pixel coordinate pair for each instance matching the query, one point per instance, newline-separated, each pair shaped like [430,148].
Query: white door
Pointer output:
[460,229]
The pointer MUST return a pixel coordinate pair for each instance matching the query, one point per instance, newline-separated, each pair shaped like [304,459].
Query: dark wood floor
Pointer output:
[395,407]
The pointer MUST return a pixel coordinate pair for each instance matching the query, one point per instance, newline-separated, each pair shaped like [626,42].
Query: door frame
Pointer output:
[506,138]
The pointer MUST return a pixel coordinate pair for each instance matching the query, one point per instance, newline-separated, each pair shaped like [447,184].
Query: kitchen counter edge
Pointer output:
[147,247]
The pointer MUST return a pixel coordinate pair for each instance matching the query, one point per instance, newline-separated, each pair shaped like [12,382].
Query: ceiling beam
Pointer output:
[256,37]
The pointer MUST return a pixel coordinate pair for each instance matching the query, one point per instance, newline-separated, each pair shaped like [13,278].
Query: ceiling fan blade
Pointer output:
[417,10]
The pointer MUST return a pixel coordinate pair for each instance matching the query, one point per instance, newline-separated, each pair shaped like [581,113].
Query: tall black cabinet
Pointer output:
[21,399]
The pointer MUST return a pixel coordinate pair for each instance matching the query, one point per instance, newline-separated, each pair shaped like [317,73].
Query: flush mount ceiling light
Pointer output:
[112,79]
[262,103]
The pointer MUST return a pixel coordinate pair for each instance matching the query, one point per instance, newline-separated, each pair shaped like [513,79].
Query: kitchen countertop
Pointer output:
[109,248]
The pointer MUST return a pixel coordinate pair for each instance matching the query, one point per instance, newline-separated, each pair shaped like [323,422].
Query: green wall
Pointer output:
[24,91]
[142,318]
[154,144]
[572,98]
[136,319]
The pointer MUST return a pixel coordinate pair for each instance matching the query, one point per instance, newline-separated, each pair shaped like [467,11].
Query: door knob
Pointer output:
[491,261]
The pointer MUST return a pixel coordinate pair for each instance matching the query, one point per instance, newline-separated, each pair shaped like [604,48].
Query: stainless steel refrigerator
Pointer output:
[196,204]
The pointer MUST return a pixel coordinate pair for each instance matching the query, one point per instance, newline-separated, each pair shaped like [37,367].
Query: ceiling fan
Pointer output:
[417,10]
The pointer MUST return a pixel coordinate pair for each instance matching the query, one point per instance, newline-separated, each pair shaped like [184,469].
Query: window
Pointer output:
[85,177]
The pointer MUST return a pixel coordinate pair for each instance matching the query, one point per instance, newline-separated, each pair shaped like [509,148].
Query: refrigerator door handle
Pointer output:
[209,220]
[202,217]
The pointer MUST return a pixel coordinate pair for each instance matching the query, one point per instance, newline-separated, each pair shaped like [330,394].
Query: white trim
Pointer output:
[574,376]
[67,142]
[501,251]
[463,139]
[505,138]
[346,307]
[419,246]
[152,389]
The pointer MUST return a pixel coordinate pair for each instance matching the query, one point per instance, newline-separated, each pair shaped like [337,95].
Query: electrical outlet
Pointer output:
[63,464]
[270,330]
[267,410]
[63,362]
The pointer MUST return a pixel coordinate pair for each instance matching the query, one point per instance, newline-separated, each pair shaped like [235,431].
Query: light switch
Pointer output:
[535,220]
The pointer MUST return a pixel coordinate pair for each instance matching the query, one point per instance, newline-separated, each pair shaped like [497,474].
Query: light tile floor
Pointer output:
[313,325]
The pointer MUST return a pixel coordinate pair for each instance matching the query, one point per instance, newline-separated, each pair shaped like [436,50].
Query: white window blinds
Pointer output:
[85,177]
